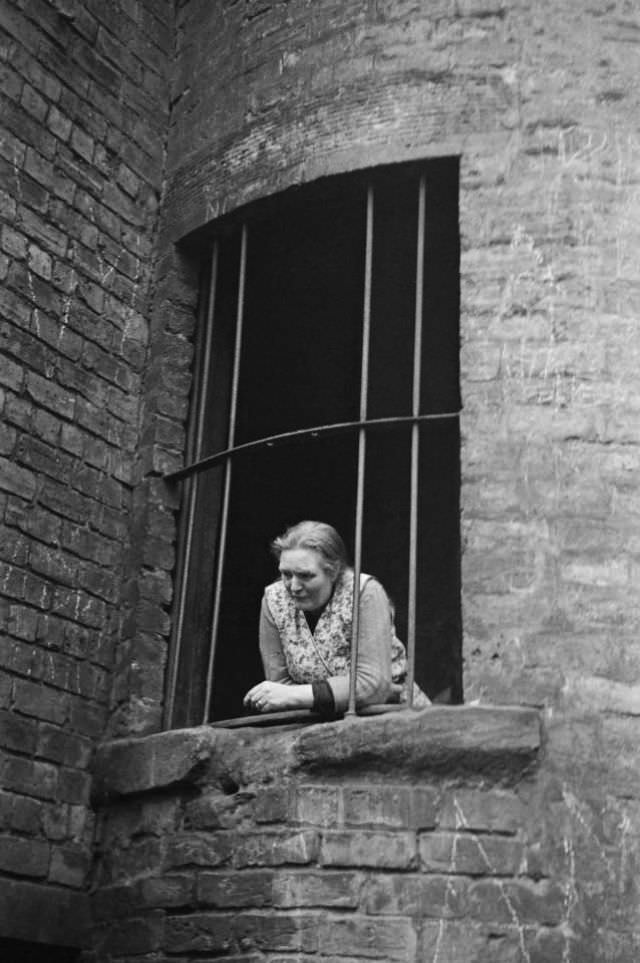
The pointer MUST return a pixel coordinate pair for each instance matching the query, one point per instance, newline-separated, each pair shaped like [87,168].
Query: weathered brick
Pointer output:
[475,855]
[455,941]
[13,546]
[199,932]
[166,891]
[375,849]
[24,857]
[23,622]
[44,232]
[55,821]
[198,850]
[482,810]
[47,393]
[39,701]
[46,426]
[517,901]
[142,934]
[213,810]
[66,502]
[8,437]
[17,733]
[33,103]
[388,807]
[319,889]
[59,745]
[53,564]
[12,83]
[140,859]
[13,242]
[26,815]
[317,805]
[40,262]
[59,124]
[69,865]
[365,937]
[19,657]
[78,606]
[5,691]
[275,848]
[38,779]
[86,718]
[42,525]
[420,896]
[232,889]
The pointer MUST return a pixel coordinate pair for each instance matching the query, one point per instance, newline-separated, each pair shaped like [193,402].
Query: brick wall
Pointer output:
[541,104]
[97,326]
[281,846]
[354,870]
[84,110]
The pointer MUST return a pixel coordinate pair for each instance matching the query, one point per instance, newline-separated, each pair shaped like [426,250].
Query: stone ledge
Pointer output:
[43,913]
[499,742]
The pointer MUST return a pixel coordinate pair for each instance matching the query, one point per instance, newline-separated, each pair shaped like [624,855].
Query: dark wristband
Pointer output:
[323,701]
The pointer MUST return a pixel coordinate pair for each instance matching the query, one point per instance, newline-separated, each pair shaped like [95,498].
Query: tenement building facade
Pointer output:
[368,261]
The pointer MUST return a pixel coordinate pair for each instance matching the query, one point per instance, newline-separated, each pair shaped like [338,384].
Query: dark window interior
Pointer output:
[20,951]
[300,367]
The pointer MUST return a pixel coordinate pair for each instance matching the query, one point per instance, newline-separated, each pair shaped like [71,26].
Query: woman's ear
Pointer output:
[332,572]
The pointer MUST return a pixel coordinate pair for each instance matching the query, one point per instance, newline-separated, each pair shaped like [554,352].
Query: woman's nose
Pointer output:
[296,584]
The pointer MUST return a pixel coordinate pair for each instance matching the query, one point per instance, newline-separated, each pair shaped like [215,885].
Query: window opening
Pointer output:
[326,387]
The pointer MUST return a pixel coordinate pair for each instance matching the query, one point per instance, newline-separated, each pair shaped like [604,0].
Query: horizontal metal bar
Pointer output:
[268,442]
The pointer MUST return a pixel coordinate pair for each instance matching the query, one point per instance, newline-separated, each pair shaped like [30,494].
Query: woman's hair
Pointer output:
[318,537]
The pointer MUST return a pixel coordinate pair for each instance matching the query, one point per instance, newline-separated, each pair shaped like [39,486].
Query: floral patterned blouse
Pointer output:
[293,654]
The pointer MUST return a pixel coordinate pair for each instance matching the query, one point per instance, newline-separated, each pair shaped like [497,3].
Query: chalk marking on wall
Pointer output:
[32,293]
[626,827]
[570,897]
[503,892]
[449,889]
[66,304]
[573,805]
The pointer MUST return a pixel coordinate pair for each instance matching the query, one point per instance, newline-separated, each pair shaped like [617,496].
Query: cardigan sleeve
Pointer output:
[373,673]
[273,660]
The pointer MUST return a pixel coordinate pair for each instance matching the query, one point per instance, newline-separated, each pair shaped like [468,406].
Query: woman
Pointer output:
[305,631]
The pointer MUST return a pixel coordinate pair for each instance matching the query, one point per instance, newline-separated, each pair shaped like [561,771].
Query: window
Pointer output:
[333,307]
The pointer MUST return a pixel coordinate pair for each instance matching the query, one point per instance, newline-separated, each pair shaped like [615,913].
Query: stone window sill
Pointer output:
[501,742]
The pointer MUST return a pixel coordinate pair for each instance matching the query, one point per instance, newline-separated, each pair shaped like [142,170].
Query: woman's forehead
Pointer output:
[301,559]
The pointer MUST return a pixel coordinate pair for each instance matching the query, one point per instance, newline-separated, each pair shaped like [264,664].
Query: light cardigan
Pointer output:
[293,655]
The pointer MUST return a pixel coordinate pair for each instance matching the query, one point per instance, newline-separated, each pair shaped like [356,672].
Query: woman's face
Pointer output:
[305,579]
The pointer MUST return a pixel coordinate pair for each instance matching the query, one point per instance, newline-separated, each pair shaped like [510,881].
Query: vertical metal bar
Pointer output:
[222,540]
[415,447]
[362,450]
[191,487]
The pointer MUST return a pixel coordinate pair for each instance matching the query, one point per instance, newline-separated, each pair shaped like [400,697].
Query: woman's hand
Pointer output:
[274,696]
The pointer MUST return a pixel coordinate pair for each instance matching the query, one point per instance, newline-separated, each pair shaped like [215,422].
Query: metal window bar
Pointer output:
[191,493]
[362,452]
[415,448]
[222,540]
[269,441]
